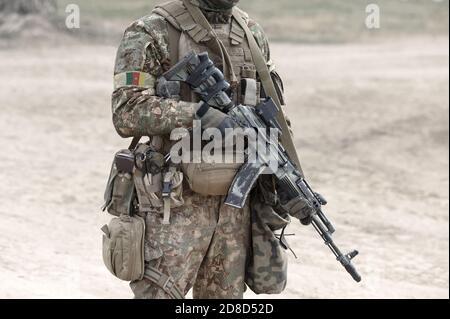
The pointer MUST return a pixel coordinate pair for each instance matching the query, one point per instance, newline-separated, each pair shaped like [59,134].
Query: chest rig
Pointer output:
[233,56]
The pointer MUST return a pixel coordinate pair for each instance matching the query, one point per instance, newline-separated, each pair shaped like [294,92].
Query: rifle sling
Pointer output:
[134,142]
[201,20]
[269,88]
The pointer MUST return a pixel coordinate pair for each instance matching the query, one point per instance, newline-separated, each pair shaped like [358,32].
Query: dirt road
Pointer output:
[371,125]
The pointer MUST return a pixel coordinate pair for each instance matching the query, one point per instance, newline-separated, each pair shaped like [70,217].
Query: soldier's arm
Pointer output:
[263,43]
[141,58]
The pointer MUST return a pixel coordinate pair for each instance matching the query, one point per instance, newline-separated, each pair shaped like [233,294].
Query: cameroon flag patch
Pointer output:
[139,79]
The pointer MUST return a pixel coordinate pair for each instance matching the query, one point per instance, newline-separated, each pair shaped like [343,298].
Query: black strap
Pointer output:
[134,142]
[202,110]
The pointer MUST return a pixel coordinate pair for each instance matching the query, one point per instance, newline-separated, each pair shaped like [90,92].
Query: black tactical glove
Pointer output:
[168,89]
[211,117]
[209,83]
[302,209]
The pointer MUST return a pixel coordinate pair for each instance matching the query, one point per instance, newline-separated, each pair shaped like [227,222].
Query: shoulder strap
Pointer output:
[269,87]
[174,41]
[237,35]
[201,20]
[134,142]
[178,15]
[187,17]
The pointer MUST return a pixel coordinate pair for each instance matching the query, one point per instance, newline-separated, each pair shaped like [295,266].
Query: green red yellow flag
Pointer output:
[139,79]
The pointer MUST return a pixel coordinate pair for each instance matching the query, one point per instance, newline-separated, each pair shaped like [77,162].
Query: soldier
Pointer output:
[206,246]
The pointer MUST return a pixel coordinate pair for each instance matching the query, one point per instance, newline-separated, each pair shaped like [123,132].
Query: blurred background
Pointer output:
[368,96]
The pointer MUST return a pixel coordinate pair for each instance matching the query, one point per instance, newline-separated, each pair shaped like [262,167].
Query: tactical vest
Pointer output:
[234,57]
[190,36]
[266,271]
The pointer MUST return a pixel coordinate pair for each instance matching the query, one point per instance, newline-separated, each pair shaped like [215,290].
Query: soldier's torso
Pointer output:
[235,44]
[238,50]
[193,37]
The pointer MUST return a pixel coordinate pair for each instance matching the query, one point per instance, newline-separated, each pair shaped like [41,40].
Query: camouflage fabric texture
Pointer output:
[137,111]
[266,272]
[208,245]
[205,247]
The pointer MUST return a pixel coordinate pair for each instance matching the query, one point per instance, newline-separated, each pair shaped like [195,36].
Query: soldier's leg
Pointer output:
[178,249]
[222,273]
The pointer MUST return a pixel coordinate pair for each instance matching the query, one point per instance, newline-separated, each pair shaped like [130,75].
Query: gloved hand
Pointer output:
[168,89]
[209,83]
[212,118]
[301,209]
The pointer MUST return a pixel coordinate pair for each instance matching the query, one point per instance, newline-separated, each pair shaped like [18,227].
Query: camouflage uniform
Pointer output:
[206,245]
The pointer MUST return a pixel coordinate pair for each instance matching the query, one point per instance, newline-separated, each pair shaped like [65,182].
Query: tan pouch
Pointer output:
[210,179]
[123,247]
[149,186]
[149,192]
[119,193]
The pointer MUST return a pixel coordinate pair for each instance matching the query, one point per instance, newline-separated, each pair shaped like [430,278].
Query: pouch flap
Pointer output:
[109,187]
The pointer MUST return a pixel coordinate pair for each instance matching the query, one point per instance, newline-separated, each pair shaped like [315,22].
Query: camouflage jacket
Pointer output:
[137,111]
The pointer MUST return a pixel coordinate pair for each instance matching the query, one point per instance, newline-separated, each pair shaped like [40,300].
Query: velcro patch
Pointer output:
[139,79]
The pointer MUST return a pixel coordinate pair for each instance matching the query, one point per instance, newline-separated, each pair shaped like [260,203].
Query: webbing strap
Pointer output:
[134,142]
[166,201]
[174,39]
[163,281]
[200,19]
[168,179]
[269,87]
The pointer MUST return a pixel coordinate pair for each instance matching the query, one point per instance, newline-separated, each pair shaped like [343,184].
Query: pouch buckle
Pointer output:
[166,191]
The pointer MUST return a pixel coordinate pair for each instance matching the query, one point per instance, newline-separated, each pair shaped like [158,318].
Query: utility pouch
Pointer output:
[135,173]
[123,247]
[148,177]
[266,271]
[250,88]
[210,179]
[119,193]
[249,92]
[154,186]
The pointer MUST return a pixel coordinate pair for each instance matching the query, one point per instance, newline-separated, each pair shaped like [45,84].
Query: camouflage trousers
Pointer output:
[205,247]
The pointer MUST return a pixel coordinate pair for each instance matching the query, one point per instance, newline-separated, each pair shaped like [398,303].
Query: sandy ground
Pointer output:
[371,124]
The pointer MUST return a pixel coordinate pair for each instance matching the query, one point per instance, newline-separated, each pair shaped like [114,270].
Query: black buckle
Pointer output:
[167,189]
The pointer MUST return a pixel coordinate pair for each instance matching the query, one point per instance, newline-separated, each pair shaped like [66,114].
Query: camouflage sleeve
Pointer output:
[141,58]
[263,43]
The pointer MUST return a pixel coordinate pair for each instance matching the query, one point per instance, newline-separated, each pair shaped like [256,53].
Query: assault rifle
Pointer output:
[199,70]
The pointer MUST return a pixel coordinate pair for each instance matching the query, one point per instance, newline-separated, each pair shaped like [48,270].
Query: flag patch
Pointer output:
[139,79]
